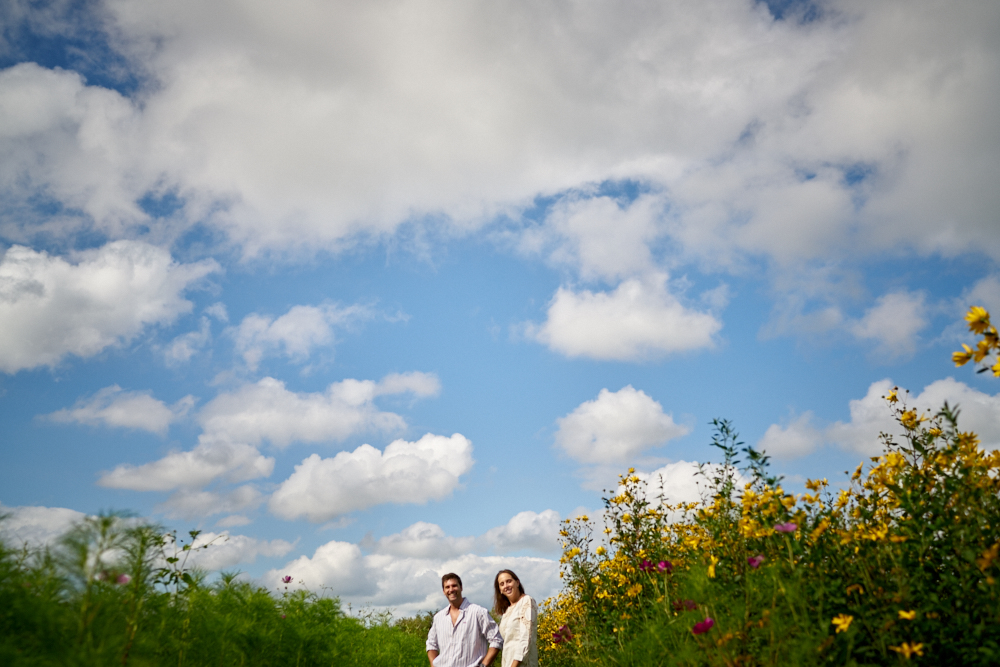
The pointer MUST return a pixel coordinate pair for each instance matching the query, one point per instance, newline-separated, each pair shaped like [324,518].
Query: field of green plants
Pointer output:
[898,567]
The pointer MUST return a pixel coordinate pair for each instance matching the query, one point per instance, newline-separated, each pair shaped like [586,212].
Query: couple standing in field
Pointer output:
[464,635]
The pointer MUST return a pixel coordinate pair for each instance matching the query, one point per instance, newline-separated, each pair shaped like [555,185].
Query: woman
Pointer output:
[518,621]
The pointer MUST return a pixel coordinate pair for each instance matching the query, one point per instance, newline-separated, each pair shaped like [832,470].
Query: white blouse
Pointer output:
[519,629]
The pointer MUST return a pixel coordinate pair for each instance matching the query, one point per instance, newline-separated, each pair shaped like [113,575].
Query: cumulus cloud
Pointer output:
[798,438]
[639,319]
[531,531]
[295,334]
[538,531]
[424,540]
[985,293]
[36,526]
[980,412]
[893,323]
[192,504]
[615,427]
[597,236]
[409,584]
[53,307]
[226,550]
[268,411]
[115,407]
[192,469]
[792,139]
[406,472]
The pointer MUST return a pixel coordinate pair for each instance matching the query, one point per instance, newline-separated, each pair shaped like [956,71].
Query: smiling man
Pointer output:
[462,634]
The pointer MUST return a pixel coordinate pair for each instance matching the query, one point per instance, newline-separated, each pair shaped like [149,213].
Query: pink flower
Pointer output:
[755,561]
[786,528]
[287,579]
[123,579]
[561,635]
[701,627]
[645,566]
[665,566]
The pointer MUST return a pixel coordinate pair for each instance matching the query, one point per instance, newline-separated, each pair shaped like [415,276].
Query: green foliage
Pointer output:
[899,568]
[117,592]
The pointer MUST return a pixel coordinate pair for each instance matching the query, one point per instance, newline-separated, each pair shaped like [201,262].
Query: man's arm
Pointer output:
[492,634]
[490,654]
[432,642]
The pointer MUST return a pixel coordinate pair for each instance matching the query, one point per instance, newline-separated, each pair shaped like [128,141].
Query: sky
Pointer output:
[372,291]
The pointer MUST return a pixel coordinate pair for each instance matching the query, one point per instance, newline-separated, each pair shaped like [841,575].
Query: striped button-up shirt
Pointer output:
[464,643]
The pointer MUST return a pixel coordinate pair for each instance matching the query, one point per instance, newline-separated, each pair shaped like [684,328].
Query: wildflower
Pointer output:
[907,615]
[563,634]
[287,579]
[786,528]
[842,621]
[711,566]
[906,649]
[601,551]
[892,398]
[701,627]
[686,605]
[665,566]
[645,566]
[961,358]
[755,561]
[978,319]
[910,421]
[123,579]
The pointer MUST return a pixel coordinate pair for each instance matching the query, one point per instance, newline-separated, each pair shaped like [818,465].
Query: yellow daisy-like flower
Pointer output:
[962,358]
[842,621]
[892,398]
[600,551]
[907,615]
[711,566]
[906,649]
[978,319]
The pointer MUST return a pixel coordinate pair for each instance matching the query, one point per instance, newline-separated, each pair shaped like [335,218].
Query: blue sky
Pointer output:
[382,290]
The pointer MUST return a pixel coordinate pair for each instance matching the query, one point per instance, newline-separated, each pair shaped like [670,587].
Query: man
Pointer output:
[462,634]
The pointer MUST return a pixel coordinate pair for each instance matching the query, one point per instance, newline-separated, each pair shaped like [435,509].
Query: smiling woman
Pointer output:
[518,621]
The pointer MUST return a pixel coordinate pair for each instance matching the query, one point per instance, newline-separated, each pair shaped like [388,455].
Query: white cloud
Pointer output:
[36,526]
[678,482]
[226,550]
[795,140]
[114,407]
[615,427]
[534,531]
[233,520]
[268,411]
[597,236]
[192,469]
[796,439]
[409,585]
[183,347]
[52,307]
[191,504]
[538,531]
[640,319]
[424,540]
[295,334]
[985,293]
[893,323]
[407,472]
[870,415]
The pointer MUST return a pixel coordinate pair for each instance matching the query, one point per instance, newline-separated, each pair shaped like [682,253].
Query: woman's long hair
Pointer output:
[500,601]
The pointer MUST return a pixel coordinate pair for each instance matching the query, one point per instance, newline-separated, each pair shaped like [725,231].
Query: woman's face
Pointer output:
[508,585]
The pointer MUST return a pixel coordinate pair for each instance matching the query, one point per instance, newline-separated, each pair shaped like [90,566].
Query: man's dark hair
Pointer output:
[451,575]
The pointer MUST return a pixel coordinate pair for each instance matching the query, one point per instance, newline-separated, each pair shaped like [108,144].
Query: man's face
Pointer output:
[453,590]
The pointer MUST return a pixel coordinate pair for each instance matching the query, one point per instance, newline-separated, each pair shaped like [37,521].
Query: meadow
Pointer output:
[900,566]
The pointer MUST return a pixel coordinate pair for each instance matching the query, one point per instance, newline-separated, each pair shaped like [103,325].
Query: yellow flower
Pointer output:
[978,319]
[600,551]
[961,358]
[842,621]
[909,419]
[906,649]
[892,398]
[711,566]
[856,587]
[907,615]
